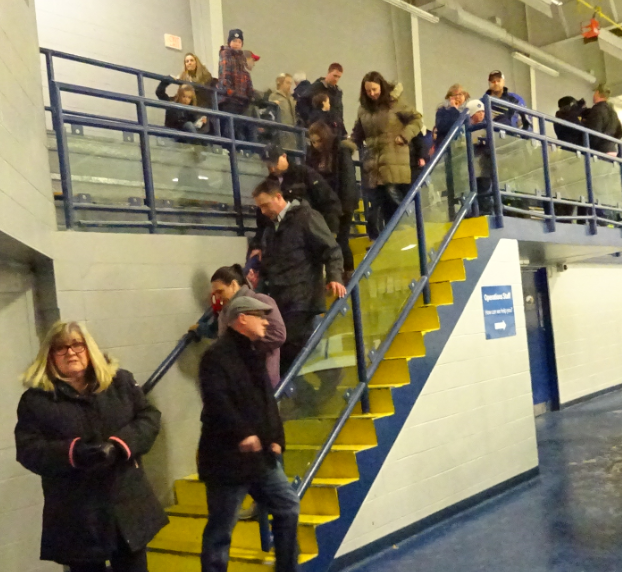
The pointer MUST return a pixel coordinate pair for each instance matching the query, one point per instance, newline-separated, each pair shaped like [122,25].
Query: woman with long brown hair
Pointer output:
[333,160]
[195,72]
[385,124]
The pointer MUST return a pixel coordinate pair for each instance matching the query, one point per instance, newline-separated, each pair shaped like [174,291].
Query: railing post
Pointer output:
[494,173]
[549,207]
[423,249]
[590,186]
[359,342]
[141,84]
[449,180]
[58,123]
[145,155]
[216,123]
[471,167]
[235,179]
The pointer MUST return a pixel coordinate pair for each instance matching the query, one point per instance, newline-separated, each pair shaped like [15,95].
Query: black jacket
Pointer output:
[238,401]
[84,508]
[303,183]
[332,119]
[572,113]
[341,178]
[294,257]
[603,118]
[175,118]
[304,107]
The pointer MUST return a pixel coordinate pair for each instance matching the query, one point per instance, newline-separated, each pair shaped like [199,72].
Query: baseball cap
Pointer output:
[495,74]
[474,106]
[246,305]
[271,153]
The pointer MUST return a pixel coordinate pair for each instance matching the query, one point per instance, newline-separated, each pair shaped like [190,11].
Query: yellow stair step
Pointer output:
[449,271]
[441,294]
[465,248]
[475,227]
[391,373]
[342,447]
[314,432]
[360,245]
[304,519]
[405,346]
[336,465]
[422,319]
[239,561]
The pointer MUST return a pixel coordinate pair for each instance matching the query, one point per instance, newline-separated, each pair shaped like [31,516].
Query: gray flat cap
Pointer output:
[244,305]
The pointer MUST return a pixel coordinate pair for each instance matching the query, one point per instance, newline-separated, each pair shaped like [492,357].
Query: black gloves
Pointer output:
[89,456]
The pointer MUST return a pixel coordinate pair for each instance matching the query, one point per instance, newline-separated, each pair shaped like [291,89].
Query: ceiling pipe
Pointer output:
[456,14]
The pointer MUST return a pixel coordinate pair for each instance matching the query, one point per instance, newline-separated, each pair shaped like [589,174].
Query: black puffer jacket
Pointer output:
[335,96]
[603,118]
[84,510]
[294,257]
[238,401]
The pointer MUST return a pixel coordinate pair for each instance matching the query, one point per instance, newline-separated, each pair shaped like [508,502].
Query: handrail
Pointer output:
[193,334]
[364,266]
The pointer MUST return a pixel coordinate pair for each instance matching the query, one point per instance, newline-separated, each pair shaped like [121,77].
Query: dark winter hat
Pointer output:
[246,305]
[495,74]
[235,35]
[566,101]
[271,153]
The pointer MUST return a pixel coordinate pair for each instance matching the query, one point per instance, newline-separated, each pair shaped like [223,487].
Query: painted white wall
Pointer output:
[20,490]
[116,31]
[586,307]
[138,294]
[26,204]
[471,428]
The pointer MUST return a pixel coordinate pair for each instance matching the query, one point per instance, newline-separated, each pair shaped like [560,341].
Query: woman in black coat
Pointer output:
[83,426]
[333,160]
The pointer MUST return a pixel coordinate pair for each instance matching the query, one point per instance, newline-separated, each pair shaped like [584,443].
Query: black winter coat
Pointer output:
[294,257]
[572,113]
[304,108]
[341,177]
[603,118]
[85,510]
[303,183]
[238,401]
[175,118]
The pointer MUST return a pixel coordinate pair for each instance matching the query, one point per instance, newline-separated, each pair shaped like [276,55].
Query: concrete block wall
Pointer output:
[138,294]
[471,428]
[26,203]
[586,308]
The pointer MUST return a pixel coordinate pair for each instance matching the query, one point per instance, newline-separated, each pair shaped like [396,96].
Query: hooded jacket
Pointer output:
[269,345]
[85,510]
[305,101]
[175,118]
[384,161]
[287,105]
[234,76]
[294,257]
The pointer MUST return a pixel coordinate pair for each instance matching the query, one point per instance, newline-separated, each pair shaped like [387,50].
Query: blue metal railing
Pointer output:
[154,212]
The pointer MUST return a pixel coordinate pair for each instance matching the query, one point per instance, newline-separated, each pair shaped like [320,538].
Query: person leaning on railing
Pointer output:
[83,426]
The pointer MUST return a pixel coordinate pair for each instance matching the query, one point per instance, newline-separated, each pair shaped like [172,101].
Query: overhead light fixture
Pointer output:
[534,64]
[418,12]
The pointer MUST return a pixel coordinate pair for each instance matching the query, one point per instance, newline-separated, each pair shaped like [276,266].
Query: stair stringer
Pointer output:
[351,497]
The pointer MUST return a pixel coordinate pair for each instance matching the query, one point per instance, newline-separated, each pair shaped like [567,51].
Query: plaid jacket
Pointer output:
[233,75]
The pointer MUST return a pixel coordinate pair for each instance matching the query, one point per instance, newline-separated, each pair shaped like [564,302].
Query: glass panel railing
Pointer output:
[606,182]
[318,395]
[385,291]
[567,172]
[442,194]
[520,166]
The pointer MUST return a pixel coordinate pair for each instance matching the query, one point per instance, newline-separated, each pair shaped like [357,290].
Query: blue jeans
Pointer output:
[271,490]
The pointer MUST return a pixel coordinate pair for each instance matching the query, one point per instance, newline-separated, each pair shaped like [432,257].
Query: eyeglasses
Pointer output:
[77,347]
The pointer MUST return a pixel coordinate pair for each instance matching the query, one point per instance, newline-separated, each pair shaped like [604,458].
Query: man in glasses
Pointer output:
[242,440]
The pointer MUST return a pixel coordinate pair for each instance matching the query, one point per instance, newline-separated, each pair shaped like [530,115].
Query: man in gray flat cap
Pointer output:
[242,439]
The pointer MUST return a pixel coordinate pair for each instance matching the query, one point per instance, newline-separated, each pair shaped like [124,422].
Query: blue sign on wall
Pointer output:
[499,317]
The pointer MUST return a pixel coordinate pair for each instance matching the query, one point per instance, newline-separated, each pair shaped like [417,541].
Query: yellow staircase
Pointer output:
[177,547]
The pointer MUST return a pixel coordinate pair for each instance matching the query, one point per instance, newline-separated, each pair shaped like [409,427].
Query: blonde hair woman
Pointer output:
[195,72]
[83,425]
[283,96]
